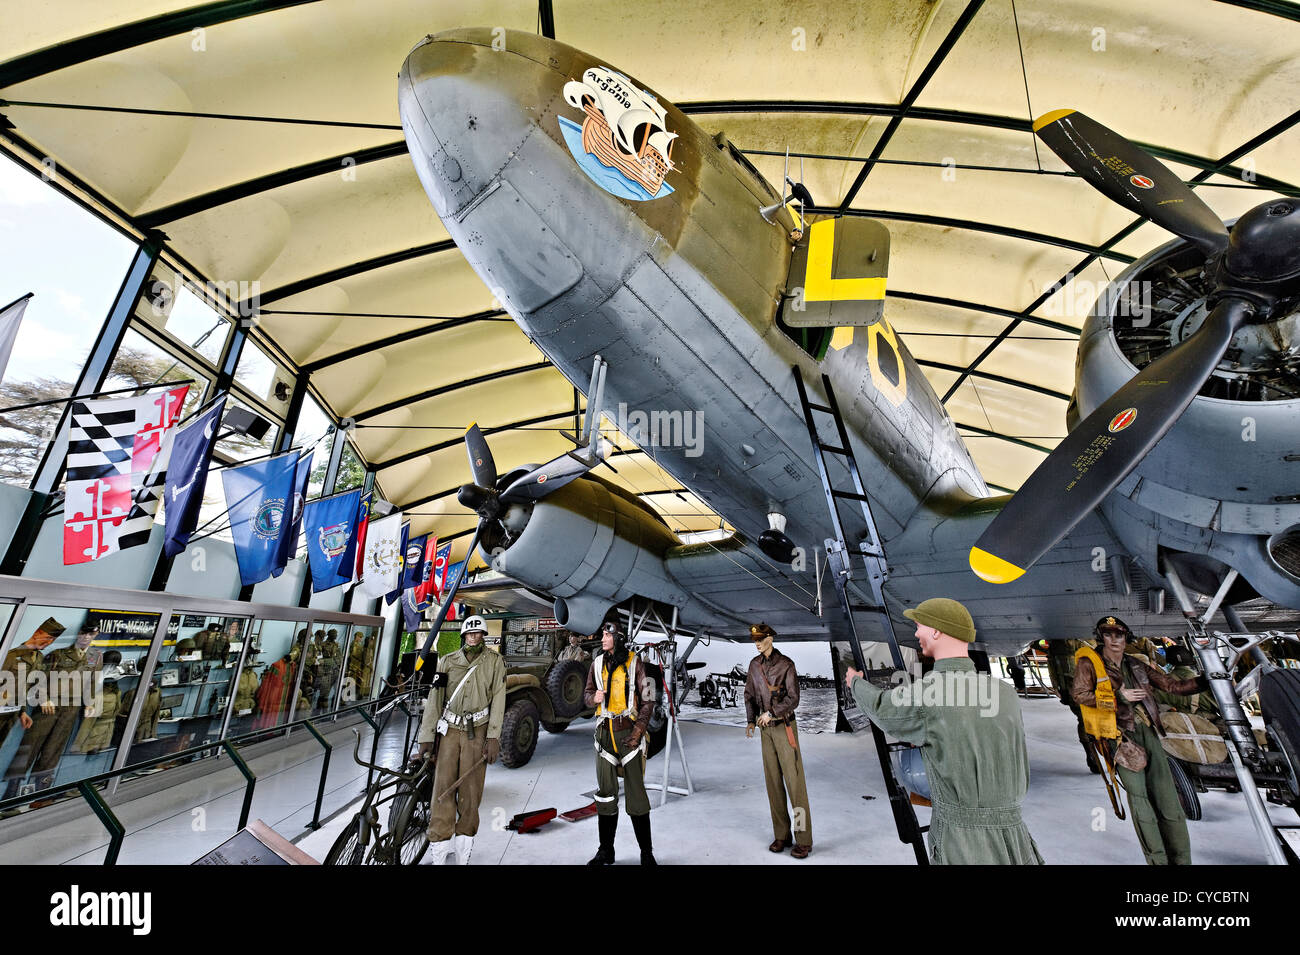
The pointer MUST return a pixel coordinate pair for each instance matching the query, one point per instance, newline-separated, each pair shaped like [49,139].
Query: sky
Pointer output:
[74,264]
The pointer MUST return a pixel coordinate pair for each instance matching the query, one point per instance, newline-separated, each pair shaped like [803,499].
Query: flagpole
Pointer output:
[20,298]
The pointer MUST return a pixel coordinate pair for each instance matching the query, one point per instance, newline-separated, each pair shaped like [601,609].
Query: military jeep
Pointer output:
[541,691]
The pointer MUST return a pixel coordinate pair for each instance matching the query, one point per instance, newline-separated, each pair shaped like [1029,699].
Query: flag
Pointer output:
[363,522]
[440,569]
[116,468]
[428,583]
[412,613]
[10,318]
[401,567]
[383,555]
[191,456]
[257,496]
[413,570]
[289,539]
[330,524]
[450,578]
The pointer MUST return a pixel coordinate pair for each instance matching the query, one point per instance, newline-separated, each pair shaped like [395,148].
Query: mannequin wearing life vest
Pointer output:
[624,699]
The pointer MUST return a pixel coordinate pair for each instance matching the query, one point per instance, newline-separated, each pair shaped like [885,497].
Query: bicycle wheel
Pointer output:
[347,848]
[410,830]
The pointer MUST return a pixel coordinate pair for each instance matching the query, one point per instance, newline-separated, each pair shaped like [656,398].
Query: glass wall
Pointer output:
[265,695]
[360,677]
[325,664]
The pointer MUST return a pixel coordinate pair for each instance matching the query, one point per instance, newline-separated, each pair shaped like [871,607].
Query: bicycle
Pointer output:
[363,842]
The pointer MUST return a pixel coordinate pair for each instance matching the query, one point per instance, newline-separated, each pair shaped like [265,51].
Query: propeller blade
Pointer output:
[480,457]
[1100,452]
[1131,176]
[432,642]
[551,476]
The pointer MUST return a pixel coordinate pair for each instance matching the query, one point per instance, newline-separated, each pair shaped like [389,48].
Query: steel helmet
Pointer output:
[474,623]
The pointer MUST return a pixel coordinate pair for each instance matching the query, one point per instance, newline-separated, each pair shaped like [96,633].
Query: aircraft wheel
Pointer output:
[1191,802]
[1279,696]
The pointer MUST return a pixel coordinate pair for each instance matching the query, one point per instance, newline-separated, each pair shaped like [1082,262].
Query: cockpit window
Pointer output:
[748,166]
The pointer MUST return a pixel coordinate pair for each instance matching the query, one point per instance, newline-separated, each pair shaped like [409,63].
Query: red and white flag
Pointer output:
[117,463]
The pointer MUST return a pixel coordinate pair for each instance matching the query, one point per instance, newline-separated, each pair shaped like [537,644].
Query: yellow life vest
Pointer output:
[618,702]
[1099,720]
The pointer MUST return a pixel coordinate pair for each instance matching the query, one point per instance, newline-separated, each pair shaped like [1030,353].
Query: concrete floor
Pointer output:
[726,821]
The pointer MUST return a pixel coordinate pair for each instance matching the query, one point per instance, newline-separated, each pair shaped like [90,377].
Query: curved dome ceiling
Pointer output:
[263,138]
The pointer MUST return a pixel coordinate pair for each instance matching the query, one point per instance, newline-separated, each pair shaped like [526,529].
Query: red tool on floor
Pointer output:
[573,815]
[531,821]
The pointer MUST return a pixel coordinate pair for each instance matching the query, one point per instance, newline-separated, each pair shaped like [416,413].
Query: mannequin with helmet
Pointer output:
[624,699]
[464,711]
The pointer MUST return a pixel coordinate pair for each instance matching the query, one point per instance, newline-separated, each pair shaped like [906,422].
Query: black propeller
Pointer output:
[1258,266]
[488,501]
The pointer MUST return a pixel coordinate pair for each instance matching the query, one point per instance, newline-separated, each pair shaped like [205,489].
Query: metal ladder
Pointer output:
[854,599]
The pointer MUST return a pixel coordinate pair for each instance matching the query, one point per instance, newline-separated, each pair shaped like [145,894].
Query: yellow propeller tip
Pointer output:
[1048,118]
[419,662]
[992,568]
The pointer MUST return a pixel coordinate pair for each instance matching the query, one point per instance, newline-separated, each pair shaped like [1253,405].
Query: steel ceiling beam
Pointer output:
[447,389]
[546,18]
[460,440]
[251,187]
[116,39]
[399,338]
[248,307]
[972,225]
[1000,379]
[957,116]
[955,34]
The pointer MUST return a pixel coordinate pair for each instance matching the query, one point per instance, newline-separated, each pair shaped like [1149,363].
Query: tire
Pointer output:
[411,829]
[565,683]
[1191,802]
[555,727]
[519,733]
[1279,697]
[347,848]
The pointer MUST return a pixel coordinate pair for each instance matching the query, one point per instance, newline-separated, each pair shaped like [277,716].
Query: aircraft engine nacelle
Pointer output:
[1224,483]
[590,545]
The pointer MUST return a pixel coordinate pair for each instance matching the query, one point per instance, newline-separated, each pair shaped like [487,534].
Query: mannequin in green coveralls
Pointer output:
[972,741]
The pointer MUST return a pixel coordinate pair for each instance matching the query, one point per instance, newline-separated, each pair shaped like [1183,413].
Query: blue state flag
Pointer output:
[187,476]
[401,574]
[257,497]
[413,563]
[289,540]
[330,524]
[411,611]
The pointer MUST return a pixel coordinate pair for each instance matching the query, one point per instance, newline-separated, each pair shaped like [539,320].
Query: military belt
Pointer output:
[461,720]
[966,817]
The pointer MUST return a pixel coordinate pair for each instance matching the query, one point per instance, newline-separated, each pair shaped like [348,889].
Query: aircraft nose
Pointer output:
[467,103]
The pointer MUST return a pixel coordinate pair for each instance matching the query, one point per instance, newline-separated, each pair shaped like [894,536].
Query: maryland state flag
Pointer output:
[117,464]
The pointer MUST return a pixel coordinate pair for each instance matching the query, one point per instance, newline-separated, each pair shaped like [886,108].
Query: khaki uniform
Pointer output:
[975,759]
[96,733]
[42,746]
[34,662]
[467,712]
[245,691]
[147,728]
[773,687]
[622,711]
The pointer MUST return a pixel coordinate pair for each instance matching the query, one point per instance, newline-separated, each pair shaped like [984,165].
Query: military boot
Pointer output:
[605,854]
[438,852]
[641,826]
